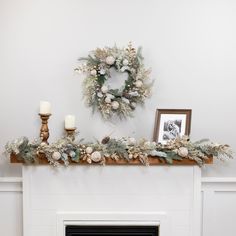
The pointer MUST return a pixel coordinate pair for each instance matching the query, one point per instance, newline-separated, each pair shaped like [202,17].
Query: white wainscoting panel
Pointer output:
[11,223]
[219,206]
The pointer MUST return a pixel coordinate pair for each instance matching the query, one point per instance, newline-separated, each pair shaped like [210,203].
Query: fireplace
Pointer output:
[112,230]
[166,198]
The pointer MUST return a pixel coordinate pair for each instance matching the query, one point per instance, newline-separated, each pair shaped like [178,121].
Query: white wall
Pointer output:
[190,46]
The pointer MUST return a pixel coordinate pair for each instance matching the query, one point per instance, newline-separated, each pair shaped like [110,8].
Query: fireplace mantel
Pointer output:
[42,160]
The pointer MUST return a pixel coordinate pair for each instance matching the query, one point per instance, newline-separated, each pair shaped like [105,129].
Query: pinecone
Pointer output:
[105,140]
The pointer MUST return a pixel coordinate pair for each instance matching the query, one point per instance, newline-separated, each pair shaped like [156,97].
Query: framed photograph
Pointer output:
[171,123]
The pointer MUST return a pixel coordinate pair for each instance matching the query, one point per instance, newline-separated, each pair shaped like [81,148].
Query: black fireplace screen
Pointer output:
[112,230]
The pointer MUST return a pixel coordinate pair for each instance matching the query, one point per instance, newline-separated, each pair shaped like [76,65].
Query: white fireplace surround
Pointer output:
[158,219]
[166,196]
[218,205]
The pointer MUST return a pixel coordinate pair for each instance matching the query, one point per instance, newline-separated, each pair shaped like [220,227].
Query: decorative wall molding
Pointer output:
[14,184]
[218,179]
[10,184]
[215,184]
[218,197]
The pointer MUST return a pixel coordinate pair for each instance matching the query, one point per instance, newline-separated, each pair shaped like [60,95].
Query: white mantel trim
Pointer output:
[196,218]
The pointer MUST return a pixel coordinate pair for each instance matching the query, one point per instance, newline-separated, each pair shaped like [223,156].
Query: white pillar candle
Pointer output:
[45,107]
[70,122]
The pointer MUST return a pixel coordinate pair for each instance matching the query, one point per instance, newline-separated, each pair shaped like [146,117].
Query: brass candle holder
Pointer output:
[44,131]
[70,132]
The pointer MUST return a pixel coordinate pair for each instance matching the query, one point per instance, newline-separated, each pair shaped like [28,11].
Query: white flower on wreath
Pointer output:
[93,72]
[110,60]
[138,83]
[147,93]
[100,95]
[104,89]
[107,100]
[134,94]
[125,100]
[133,105]
[115,105]
[110,96]
[124,68]
[125,62]
[102,71]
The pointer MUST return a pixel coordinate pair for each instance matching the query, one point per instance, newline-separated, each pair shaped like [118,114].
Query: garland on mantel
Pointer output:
[66,150]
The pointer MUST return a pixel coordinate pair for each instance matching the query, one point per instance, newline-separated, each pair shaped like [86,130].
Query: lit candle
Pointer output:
[45,107]
[69,122]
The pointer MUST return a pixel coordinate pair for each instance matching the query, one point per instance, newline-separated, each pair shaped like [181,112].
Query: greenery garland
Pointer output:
[109,102]
[66,150]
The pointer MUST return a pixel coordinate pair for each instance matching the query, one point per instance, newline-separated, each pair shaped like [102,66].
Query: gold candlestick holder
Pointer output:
[44,131]
[70,132]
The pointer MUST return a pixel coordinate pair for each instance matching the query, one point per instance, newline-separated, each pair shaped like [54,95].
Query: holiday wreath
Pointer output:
[97,93]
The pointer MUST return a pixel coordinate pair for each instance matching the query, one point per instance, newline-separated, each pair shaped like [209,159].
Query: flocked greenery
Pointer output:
[66,150]
[97,93]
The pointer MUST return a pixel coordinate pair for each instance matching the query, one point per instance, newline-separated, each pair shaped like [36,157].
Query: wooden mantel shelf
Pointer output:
[41,160]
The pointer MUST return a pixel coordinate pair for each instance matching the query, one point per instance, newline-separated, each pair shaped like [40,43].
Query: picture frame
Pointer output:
[171,123]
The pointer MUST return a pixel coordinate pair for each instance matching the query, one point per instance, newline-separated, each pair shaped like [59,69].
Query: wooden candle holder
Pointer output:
[44,131]
[70,133]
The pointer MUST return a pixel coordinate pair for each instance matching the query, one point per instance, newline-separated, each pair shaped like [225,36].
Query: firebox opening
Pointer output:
[112,230]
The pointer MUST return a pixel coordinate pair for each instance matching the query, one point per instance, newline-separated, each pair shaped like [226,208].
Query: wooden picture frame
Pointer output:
[170,123]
